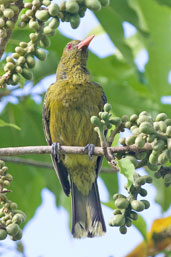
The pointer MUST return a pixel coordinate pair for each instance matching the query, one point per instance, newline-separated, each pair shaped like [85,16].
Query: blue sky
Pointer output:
[47,234]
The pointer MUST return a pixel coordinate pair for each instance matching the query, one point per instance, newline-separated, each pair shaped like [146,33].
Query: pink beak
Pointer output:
[85,42]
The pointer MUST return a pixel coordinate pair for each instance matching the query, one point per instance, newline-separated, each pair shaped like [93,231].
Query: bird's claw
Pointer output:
[55,150]
[90,149]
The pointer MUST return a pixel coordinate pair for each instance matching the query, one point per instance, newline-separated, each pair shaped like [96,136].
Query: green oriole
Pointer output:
[69,103]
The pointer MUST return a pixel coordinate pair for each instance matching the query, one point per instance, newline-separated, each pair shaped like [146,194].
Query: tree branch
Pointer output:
[4,41]
[98,151]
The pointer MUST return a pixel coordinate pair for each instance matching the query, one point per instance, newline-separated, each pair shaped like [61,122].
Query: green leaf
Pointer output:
[109,204]
[112,24]
[127,169]
[157,44]
[5,124]
[141,225]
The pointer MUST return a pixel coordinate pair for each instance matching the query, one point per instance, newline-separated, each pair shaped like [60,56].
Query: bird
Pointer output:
[68,106]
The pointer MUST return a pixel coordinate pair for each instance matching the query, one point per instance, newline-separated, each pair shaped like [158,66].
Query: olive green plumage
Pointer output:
[68,106]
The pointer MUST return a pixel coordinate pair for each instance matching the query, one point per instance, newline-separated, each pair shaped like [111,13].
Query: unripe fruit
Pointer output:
[45,41]
[137,205]
[30,61]
[9,66]
[128,222]
[36,3]
[140,156]
[18,69]
[18,218]
[153,157]
[122,140]
[140,181]
[152,167]
[118,220]
[18,236]
[163,158]
[133,215]
[21,60]
[75,21]
[14,8]
[12,229]
[116,196]
[93,5]
[133,117]
[169,144]
[28,5]
[13,206]
[117,211]
[130,140]
[95,121]
[123,230]
[107,107]
[128,124]
[139,141]
[151,138]
[2,22]
[54,23]
[161,116]
[159,145]
[46,2]
[20,50]
[3,234]
[125,118]
[122,203]
[8,13]
[105,116]
[157,174]
[143,192]
[146,203]
[40,54]
[53,9]
[27,74]
[82,10]
[115,121]
[167,179]
[144,118]
[146,128]
[168,122]
[42,15]
[148,179]
[168,131]
[162,126]
[136,131]
[34,25]
[72,6]
[3,33]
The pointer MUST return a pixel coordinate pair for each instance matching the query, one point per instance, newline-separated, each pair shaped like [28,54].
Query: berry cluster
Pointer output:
[10,217]
[127,207]
[8,10]
[42,17]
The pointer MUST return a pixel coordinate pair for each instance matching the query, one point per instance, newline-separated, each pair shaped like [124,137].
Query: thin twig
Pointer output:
[40,164]
[98,151]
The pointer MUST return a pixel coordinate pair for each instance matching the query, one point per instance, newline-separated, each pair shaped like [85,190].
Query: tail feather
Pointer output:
[87,217]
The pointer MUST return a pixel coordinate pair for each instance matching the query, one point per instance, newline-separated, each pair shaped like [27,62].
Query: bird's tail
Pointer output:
[87,217]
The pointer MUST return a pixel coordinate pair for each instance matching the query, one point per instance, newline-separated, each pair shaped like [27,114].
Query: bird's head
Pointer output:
[74,54]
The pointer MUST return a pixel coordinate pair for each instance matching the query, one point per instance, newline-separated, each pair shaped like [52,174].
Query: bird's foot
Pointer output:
[90,149]
[55,150]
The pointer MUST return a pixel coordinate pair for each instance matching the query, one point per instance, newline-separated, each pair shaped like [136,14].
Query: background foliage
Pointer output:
[128,89]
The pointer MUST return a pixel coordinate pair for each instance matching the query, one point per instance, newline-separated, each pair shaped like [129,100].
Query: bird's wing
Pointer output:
[60,169]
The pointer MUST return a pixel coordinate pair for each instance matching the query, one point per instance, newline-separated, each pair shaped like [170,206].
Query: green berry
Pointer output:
[18,218]
[128,222]
[168,122]
[153,158]
[75,21]
[144,118]
[18,69]
[162,126]
[125,118]
[9,66]
[133,215]
[151,138]
[28,5]
[136,131]
[93,5]
[95,121]
[26,74]
[128,124]
[137,205]
[121,203]
[140,181]
[146,203]
[117,211]
[12,229]
[143,192]
[122,141]
[159,145]
[8,13]
[163,157]
[133,117]
[72,7]
[146,127]
[107,107]
[152,167]
[20,50]
[2,22]
[40,54]
[116,196]
[123,230]
[157,174]
[3,234]
[168,131]
[13,206]
[130,140]
[139,141]
[53,9]
[18,236]
[34,25]
[42,15]
[169,144]
[30,61]
[118,220]
[133,160]
[148,179]
[45,41]
[161,117]
[115,121]
[54,23]
[15,79]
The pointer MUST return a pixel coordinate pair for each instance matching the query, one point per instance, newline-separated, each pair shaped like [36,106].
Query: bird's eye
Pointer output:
[69,46]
